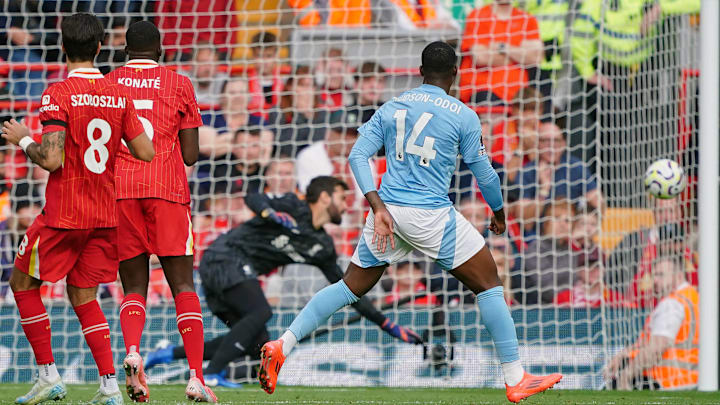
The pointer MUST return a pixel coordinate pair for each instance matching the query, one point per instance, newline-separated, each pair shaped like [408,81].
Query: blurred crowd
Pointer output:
[567,165]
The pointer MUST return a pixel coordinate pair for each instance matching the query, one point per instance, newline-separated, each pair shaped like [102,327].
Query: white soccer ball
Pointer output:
[665,179]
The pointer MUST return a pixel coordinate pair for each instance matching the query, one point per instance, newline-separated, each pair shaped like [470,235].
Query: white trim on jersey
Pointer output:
[86,73]
[141,64]
[190,242]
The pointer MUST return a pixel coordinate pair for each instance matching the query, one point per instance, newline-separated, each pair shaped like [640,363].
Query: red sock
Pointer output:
[36,324]
[132,321]
[97,335]
[190,325]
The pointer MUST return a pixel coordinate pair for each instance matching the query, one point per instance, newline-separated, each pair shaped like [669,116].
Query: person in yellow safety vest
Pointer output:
[337,13]
[622,29]
[551,16]
[665,356]
[411,14]
[613,47]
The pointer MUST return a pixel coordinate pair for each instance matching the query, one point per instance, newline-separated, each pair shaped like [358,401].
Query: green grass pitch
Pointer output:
[251,394]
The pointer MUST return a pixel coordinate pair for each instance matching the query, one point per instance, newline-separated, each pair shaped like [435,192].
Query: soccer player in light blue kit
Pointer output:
[423,131]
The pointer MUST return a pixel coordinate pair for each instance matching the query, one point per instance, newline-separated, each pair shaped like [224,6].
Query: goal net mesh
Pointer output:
[568,122]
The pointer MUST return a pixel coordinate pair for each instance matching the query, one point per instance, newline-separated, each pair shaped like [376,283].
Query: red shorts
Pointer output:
[154,226]
[88,257]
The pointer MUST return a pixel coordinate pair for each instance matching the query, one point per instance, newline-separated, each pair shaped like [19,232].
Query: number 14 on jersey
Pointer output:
[426,151]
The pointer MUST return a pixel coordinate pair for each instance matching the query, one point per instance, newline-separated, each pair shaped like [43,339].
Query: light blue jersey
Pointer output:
[423,131]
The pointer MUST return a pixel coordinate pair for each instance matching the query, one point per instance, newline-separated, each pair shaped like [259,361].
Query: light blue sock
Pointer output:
[495,315]
[323,304]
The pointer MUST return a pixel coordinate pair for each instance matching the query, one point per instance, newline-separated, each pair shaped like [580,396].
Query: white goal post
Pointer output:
[709,196]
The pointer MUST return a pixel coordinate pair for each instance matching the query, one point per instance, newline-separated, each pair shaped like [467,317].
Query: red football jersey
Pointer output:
[165,102]
[95,114]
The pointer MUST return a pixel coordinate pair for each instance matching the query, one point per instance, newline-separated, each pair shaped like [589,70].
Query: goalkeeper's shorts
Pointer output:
[442,234]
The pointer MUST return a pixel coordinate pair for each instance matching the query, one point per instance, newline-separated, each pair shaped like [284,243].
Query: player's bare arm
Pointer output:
[383,222]
[142,148]
[48,154]
[189,145]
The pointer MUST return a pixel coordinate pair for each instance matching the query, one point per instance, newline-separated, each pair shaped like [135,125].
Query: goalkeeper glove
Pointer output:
[400,332]
[281,218]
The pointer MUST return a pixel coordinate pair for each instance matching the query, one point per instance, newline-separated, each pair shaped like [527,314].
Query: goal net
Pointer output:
[575,102]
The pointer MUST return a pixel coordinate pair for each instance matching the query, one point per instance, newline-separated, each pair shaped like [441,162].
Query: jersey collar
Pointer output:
[141,63]
[432,89]
[86,73]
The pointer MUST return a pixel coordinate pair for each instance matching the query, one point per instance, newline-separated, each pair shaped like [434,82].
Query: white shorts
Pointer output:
[442,234]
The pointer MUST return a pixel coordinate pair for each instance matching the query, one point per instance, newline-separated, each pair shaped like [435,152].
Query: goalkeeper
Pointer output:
[286,230]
